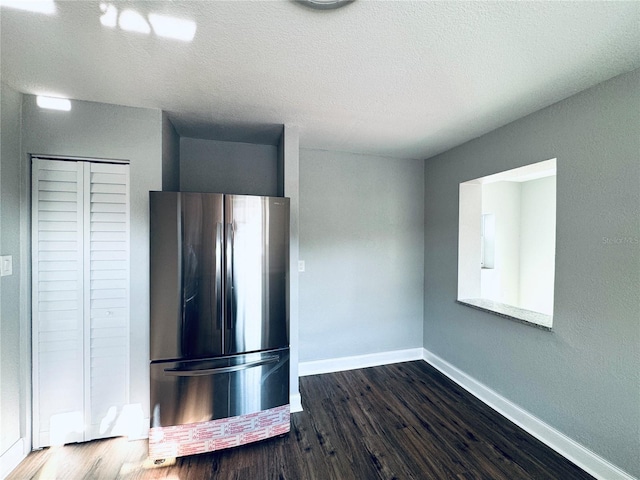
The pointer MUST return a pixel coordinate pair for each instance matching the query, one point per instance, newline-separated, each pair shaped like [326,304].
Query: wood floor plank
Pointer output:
[402,421]
[335,431]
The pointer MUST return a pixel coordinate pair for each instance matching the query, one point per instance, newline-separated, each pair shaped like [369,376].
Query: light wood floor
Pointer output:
[402,421]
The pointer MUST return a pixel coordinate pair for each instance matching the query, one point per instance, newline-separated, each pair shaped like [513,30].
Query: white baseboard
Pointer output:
[589,461]
[11,458]
[295,401]
[359,361]
[141,433]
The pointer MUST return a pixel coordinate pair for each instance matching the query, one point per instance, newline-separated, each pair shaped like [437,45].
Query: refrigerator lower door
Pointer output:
[204,405]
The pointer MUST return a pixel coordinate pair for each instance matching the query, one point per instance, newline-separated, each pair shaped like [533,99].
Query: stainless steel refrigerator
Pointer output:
[219,343]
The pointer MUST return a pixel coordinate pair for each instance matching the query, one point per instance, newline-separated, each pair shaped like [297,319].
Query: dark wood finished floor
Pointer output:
[402,421]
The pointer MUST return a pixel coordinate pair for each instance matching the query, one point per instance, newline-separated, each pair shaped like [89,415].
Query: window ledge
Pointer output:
[527,317]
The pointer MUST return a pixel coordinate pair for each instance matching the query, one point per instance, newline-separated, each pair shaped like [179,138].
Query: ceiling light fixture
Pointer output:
[324,4]
[36,6]
[132,21]
[172,27]
[54,103]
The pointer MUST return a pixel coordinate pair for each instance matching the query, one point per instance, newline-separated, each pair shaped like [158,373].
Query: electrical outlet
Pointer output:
[301,265]
[6,265]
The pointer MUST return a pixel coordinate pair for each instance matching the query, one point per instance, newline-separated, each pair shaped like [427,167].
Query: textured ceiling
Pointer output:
[401,79]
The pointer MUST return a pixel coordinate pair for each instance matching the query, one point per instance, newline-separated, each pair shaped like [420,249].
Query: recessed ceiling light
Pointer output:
[172,27]
[132,21]
[37,6]
[53,103]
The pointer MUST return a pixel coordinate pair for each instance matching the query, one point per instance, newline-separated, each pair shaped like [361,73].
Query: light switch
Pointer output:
[301,265]
[6,265]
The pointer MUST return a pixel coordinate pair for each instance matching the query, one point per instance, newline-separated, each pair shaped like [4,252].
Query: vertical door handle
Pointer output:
[230,313]
[219,294]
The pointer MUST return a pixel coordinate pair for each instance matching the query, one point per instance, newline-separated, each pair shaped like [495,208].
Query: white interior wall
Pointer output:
[537,244]
[469,248]
[502,283]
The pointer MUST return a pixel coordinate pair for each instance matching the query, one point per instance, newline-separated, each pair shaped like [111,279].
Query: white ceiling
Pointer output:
[400,79]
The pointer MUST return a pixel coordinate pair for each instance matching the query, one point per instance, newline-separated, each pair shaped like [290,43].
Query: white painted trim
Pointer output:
[10,459]
[290,142]
[295,401]
[589,461]
[359,361]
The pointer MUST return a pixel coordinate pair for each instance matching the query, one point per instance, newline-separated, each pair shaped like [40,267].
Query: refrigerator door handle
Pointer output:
[229,277]
[218,259]
[177,372]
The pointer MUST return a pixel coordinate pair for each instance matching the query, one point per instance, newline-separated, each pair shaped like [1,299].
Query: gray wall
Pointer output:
[228,167]
[170,156]
[584,377]
[361,236]
[12,351]
[110,131]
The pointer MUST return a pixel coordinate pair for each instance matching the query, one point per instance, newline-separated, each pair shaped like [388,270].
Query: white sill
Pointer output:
[527,317]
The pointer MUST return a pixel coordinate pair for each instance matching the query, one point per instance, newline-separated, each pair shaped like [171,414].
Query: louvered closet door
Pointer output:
[80,232]
[58,297]
[107,298]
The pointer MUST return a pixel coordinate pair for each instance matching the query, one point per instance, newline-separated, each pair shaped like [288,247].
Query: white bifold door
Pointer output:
[80,299]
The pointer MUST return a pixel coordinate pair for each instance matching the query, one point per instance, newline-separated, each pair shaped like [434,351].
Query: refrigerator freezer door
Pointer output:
[187,239]
[257,261]
[203,390]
